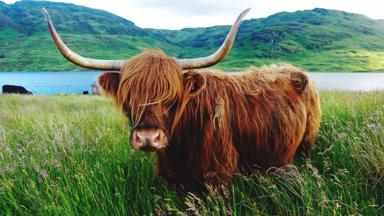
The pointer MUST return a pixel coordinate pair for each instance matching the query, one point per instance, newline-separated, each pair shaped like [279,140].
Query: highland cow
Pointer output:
[205,125]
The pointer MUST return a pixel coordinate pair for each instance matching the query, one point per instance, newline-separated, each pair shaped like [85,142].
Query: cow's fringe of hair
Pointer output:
[150,78]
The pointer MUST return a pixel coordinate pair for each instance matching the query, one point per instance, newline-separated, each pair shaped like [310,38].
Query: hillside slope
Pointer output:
[25,44]
[318,39]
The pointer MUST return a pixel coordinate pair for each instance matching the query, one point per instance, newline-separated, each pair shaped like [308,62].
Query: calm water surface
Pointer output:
[68,82]
[348,81]
[77,82]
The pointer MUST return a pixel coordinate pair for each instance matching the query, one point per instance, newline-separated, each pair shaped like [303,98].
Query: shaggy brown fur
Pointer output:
[217,123]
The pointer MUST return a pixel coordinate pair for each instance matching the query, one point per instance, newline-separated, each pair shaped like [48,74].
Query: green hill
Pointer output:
[318,39]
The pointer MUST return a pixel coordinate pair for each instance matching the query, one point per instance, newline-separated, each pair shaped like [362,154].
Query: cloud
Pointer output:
[196,7]
[176,14]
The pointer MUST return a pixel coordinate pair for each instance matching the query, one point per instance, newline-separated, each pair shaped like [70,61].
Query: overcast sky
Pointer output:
[176,14]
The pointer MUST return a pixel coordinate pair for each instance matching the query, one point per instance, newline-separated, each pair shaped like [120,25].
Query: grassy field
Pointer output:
[70,155]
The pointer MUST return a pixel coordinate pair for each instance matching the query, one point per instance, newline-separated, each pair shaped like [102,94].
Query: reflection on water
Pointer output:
[76,82]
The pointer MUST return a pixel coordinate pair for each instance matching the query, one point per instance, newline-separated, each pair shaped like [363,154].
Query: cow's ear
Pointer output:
[194,83]
[109,82]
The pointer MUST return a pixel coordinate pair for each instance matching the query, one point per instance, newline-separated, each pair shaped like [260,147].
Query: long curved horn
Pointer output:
[98,64]
[220,54]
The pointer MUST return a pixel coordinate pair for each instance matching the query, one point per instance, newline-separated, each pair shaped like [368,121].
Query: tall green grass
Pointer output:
[70,155]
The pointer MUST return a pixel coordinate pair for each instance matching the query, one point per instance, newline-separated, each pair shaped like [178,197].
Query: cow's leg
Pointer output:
[219,156]
[220,170]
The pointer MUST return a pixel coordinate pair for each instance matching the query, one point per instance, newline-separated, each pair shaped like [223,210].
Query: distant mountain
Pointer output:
[318,39]
[26,17]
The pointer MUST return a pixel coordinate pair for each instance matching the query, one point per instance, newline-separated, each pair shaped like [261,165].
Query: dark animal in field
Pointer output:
[205,125]
[13,89]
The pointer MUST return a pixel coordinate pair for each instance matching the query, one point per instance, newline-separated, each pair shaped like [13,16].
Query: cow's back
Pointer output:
[280,108]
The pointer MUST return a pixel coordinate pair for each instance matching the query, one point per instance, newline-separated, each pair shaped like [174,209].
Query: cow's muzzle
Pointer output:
[148,140]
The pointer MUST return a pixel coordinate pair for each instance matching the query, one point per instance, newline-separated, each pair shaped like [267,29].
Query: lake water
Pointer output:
[71,82]
[77,82]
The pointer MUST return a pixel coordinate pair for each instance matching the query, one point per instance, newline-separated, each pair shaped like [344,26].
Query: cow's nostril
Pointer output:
[158,137]
[137,138]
